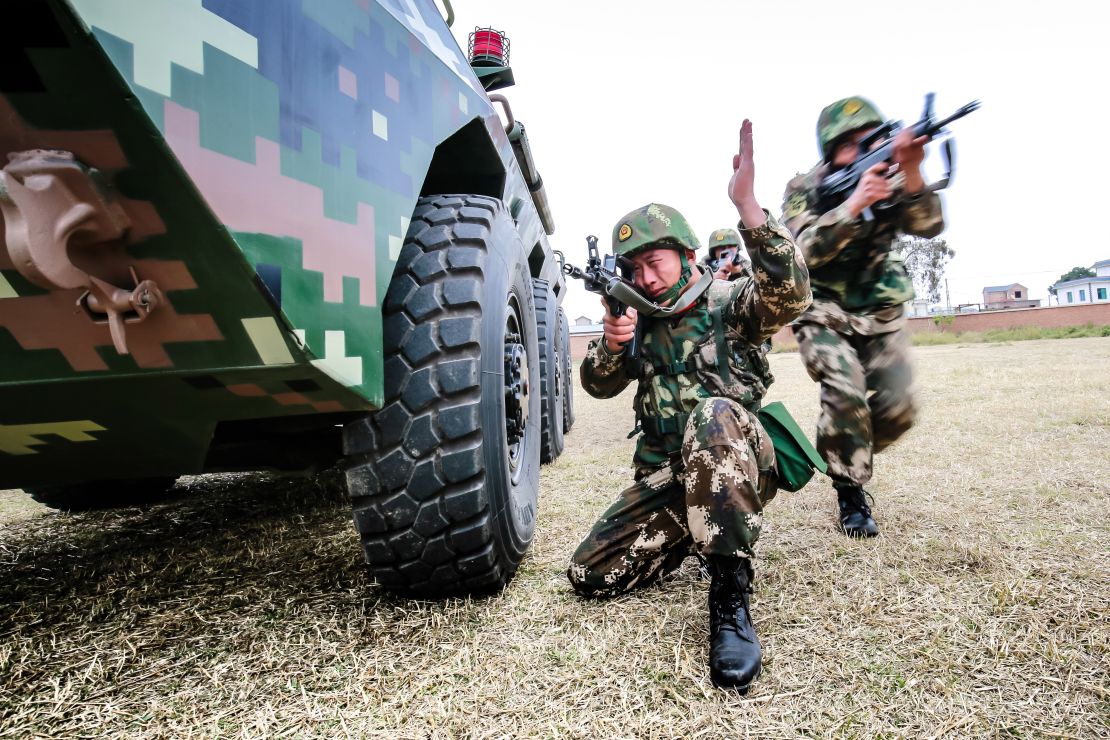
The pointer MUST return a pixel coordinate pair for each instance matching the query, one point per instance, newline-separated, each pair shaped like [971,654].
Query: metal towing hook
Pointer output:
[53,204]
[120,305]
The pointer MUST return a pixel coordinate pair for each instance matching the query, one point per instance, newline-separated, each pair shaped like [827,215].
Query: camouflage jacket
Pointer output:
[679,355]
[859,283]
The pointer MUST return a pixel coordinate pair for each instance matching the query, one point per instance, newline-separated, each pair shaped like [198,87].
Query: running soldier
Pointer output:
[853,339]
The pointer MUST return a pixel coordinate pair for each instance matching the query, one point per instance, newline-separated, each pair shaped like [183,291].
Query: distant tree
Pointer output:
[1073,274]
[925,261]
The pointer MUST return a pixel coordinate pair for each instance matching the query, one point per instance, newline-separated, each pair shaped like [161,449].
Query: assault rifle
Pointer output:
[601,277]
[601,274]
[836,187]
[715,264]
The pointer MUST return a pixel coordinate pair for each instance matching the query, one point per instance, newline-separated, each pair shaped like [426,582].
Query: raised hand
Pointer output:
[741,188]
[909,153]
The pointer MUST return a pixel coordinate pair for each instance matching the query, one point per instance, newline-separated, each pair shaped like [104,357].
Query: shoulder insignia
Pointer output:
[624,233]
[795,206]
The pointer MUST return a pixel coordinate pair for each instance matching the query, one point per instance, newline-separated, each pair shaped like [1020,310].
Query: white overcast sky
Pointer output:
[632,101]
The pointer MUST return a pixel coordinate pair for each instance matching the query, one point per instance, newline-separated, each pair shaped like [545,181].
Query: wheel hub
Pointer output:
[516,388]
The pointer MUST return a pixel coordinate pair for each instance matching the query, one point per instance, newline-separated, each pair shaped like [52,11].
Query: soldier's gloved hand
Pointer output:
[618,329]
[909,153]
[873,187]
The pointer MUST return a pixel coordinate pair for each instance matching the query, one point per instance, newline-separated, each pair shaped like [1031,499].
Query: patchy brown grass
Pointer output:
[242,609]
[1017,334]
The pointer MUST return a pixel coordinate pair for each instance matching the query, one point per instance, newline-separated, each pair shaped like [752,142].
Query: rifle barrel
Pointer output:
[970,107]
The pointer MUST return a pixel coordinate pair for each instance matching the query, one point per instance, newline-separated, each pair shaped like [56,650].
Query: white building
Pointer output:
[1086,290]
[918,307]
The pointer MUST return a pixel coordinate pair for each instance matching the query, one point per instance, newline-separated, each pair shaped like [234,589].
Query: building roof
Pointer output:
[586,329]
[1082,281]
[996,288]
[1102,263]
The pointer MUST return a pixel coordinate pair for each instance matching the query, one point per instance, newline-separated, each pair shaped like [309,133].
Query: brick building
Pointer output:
[1014,295]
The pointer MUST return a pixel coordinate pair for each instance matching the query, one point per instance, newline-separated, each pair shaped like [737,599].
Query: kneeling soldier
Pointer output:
[705,466]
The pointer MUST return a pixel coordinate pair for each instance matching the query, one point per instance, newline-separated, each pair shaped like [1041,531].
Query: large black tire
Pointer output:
[444,493]
[105,494]
[551,372]
[568,369]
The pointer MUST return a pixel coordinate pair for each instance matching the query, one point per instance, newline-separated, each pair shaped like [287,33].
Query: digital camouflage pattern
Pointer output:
[710,503]
[844,117]
[859,282]
[654,225]
[268,194]
[679,354]
[679,386]
[867,401]
[853,338]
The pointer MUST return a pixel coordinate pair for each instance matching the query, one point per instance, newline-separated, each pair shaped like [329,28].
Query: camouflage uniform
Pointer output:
[723,239]
[728,238]
[704,465]
[853,339]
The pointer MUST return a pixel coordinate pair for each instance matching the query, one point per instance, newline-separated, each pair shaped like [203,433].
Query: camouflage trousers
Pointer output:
[853,425]
[710,501]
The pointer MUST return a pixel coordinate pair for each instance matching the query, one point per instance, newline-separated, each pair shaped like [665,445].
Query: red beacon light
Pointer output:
[488,48]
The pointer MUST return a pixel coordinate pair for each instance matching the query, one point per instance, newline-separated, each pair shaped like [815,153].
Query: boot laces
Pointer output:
[729,606]
[856,498]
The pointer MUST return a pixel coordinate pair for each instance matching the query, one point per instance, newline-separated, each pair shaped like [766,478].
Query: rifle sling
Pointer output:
[629,296]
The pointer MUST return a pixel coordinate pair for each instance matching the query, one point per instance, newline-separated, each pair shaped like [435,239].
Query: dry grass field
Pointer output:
[241,609]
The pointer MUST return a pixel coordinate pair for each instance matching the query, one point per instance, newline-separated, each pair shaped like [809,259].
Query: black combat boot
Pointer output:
[734,653]
[855,514]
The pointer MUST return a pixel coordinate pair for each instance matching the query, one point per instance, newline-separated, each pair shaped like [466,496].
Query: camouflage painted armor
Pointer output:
[852,339]
[704,465]
[268,196]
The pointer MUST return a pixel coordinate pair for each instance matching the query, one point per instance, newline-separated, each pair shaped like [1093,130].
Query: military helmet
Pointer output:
[843,117]
[653,226]
[722,238]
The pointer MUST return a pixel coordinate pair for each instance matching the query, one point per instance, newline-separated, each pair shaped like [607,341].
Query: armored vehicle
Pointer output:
[280,235]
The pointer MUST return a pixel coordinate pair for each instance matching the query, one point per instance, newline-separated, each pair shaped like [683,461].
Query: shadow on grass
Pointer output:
[223,543]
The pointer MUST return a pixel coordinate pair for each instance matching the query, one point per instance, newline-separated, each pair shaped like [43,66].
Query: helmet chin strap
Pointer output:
[676,290]
[679,300]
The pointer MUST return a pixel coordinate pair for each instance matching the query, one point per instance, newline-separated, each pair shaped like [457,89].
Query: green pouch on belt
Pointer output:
[795,457]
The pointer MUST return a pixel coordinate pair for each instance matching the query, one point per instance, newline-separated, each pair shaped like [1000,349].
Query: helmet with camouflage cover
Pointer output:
[722,238]
[653,226]
[656,226]
[843,117]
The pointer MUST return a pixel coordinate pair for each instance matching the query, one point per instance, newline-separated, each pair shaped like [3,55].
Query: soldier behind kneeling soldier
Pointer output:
[704,464]
[727,258]
[853,340]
